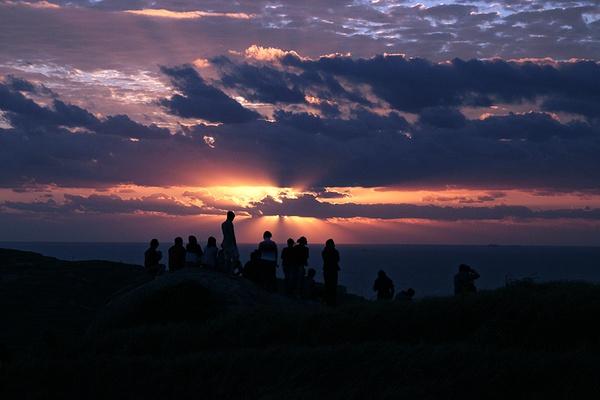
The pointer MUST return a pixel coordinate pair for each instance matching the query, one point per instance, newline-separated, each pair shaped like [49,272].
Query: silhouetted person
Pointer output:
[301,260]
[288,264]
[331,266]
[383,286]
[309,286]
[211,251]
[251,269]
[268,258]
[406,295]
[231,254]
[177,255]
[193,252]
[152,258]
[464,280]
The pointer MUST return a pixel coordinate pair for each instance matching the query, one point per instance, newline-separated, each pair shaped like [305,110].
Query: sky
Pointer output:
[457,122]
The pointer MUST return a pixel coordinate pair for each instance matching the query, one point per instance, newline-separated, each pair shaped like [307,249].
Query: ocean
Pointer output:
[428,269]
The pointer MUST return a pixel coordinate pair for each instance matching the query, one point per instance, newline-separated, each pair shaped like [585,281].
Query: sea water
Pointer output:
[428,269]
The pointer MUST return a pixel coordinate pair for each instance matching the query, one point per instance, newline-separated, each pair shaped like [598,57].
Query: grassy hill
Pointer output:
[525,341]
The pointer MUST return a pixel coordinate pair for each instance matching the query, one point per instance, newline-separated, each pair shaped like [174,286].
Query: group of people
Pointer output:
[464,283]
[263,264]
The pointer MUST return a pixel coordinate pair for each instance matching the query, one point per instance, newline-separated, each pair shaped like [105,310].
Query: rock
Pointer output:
[185,295]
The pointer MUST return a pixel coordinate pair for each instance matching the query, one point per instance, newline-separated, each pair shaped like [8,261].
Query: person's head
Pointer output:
[311,273]
[154,244]
[381,273]
[464,268]
[179,241]
[290,242]
[302,240]
[410,292]
[267,235]
[192,239]
[330,244]
[212,242]
[230,215]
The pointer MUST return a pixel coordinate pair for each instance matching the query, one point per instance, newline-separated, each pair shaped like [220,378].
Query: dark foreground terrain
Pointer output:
[87,330]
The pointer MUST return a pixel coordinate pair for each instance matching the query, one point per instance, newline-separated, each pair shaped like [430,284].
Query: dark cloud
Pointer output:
[362,124]
[532,150]
[518,150]
[24,113]
[261,83]
[266,83]
[111,204]
[413,84]
[488,197]
[200,100]
[442,117]
[308,206]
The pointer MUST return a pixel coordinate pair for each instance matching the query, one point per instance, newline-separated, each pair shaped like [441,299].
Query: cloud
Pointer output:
[111,204]
[308,206]
[414,84]
[163,13]
[488,197]
[271,54]
[200,100]
[32,4]
[67,145]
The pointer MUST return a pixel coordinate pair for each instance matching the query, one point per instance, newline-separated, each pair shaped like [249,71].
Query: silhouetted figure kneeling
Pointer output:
[331,267]
[383,286]
[193,252]
[464,280]
[406,295]
[152,258]
[177,255]
[268,258]
[211,252]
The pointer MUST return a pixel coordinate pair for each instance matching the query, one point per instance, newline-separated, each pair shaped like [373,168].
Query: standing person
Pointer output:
[193,252]
[177,255]
[464,280]
[152,258]
[231,254]
[209,258]
[331,266]
[268,258]
[383,286]
[288,263]
[301,261]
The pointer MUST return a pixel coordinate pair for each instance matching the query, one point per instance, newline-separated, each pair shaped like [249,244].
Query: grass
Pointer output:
[524,341]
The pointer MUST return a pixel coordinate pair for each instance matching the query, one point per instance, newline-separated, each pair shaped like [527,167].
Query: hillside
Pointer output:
[184,337]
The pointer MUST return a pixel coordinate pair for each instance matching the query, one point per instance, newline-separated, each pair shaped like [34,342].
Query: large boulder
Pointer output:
[185,295]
